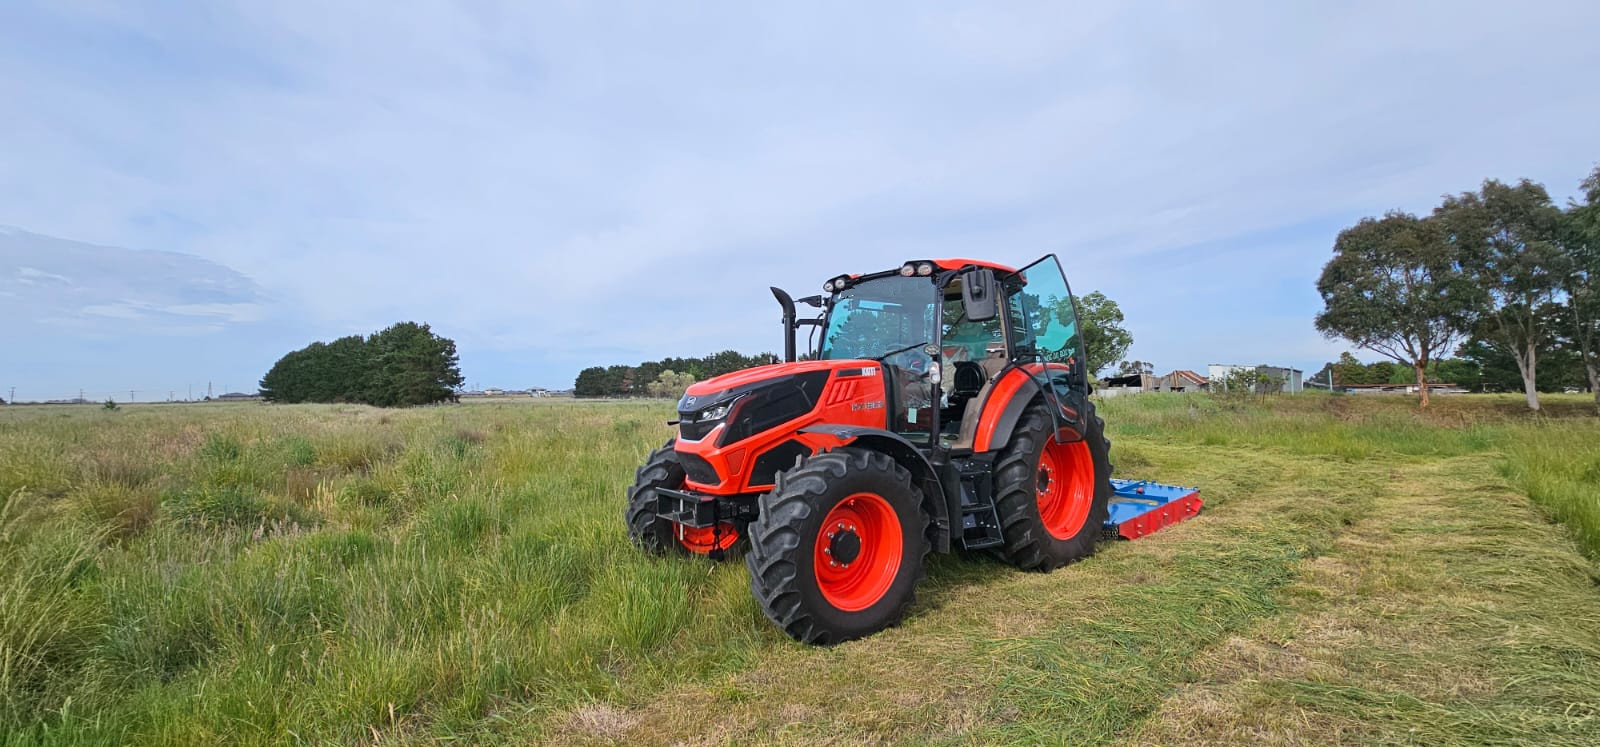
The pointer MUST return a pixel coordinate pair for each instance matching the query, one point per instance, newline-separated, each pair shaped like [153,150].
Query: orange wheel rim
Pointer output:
[1066,487]
[703,540]
[857,552]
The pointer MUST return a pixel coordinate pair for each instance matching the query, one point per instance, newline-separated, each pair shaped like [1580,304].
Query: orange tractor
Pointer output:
[945,406]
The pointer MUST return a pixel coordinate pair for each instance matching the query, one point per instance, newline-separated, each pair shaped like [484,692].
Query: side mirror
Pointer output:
[980,294]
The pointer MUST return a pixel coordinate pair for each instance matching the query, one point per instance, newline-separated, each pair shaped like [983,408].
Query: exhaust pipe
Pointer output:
[787,303]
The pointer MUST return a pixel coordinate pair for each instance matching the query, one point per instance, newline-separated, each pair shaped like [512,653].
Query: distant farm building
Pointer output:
[1292,379]
[1433,388]
[1181,380]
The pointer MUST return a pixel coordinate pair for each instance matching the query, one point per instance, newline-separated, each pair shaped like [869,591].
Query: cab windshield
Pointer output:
[880,316]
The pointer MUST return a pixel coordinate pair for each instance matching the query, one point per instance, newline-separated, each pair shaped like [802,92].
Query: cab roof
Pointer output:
[957,263]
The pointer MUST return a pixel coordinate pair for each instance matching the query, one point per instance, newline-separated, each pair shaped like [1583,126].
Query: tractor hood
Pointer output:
[789,387]
[720,387]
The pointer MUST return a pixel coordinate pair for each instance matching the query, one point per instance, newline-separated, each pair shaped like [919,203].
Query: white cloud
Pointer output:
[115,310]
[33,276]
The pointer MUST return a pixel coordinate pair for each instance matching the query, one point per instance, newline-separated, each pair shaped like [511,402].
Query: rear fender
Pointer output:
[1002,409]
[1006,402]
[907,455]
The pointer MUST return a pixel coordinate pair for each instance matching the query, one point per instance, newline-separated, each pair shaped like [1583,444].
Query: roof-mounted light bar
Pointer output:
[837,284]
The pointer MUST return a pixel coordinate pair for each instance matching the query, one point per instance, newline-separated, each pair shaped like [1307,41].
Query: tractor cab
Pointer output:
[945,332]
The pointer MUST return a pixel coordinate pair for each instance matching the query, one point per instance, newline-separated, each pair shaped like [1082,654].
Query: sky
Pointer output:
[191,190]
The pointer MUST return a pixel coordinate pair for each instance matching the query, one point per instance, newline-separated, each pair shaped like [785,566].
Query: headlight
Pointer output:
[827,287]
[908,269]
[925,269]
[714,413]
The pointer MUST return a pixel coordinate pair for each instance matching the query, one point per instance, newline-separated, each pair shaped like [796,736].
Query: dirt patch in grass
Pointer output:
[601,721]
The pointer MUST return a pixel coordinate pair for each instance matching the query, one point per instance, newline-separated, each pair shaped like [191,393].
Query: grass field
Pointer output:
[330,574]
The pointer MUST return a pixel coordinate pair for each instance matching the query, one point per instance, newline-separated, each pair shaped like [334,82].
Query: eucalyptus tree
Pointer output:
[1581,238]
[1395,287]
[1507,237]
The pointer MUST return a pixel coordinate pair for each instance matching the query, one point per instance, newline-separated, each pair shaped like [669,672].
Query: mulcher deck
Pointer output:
[1141,507]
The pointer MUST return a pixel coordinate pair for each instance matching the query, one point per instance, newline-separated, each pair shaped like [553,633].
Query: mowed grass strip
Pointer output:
[1449,614]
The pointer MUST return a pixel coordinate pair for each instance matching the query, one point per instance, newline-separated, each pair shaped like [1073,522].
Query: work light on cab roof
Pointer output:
[942,405]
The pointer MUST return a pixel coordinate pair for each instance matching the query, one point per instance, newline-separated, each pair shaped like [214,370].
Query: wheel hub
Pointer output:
[857,551]
[844,545]
[1065,487]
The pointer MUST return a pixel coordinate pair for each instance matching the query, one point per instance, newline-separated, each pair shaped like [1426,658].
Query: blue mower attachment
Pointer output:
[1140,507]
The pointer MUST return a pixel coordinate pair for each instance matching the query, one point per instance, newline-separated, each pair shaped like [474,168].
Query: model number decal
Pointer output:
[878,405]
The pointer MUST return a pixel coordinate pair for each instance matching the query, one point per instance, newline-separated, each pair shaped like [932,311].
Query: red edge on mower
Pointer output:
[1140,507]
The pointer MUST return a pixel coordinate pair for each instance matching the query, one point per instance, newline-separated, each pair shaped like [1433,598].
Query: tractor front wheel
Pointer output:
[1051,496]
[839,546]
[658,536]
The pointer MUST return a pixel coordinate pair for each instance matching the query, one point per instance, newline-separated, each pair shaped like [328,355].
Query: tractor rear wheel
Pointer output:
[658,536]
[1051,496]
[839,546]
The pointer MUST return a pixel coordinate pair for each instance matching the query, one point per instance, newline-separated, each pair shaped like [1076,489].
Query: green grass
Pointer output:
[337,574]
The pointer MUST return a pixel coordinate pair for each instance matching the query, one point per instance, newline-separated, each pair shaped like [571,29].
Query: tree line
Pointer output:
[1502,275]
[668,377]
[405,364]
[1476,367]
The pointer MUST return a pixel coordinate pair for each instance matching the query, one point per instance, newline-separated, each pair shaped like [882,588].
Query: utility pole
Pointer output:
[190,398]
[130,395]
[81,400]
[13,398]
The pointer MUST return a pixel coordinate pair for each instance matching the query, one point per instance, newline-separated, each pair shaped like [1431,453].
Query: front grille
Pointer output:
[694,431]
[698,470]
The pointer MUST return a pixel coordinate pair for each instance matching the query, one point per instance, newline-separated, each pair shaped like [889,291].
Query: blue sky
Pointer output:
[557,185]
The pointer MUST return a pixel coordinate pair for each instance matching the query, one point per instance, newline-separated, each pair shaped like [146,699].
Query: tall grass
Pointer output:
[255,574]
[1559,468]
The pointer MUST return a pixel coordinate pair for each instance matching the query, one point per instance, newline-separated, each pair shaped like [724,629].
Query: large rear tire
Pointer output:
[839,547]
[1052,497]
[658,536]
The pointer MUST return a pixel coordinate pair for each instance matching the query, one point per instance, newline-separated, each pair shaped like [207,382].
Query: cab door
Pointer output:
[1046,338]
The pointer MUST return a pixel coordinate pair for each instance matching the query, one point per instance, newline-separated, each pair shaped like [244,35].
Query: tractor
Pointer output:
[942,405]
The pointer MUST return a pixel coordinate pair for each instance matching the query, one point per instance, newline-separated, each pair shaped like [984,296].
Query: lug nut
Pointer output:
[832,564]
[827,551]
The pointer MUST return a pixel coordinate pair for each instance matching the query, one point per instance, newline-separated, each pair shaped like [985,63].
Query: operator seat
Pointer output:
[965,383]
[994,361]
